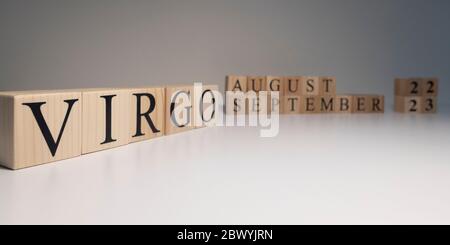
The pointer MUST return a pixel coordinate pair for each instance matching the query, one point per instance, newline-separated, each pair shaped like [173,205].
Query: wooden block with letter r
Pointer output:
[178,108]
[38,127]
[147,113]
[105,119]
[204,104]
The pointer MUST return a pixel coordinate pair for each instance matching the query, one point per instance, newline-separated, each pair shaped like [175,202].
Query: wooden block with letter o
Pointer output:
[205,105]
[38,127]
[147,113]
[179,113]
[105,119]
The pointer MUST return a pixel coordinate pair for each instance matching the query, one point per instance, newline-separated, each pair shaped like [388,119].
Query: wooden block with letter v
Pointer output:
[178,108]
[38,127]
[235,102]
[205,99]
[147,113]
[105,119]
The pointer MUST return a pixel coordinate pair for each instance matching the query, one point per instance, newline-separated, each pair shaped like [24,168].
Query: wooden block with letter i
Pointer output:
[38,127]
[105,119]
[179,113]
[147,113]
[205,104]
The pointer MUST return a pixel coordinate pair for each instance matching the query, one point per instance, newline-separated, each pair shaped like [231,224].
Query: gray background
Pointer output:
[365,44]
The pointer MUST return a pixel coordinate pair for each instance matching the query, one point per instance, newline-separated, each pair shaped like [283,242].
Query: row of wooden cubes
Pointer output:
[416,95]
[289,85]
[37,127]
[351,103]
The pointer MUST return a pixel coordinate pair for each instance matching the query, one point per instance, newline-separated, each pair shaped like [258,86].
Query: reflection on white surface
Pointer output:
[321,169]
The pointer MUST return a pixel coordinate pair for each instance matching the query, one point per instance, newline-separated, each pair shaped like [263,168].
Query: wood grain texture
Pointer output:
[256,83]
[291,104]
[408,86]
[236,83]
[429,104]
[310,86]
[344,103]
[292,86]
[327,104]
[205,105]
[275,83]
[39,127]
[178,108]
[327,86]
[430,87]
[408,104]
[106,119]
[309,104]
[147,113]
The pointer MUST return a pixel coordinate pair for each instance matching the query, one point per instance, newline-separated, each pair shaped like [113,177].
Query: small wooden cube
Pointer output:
[256,83]
[105,119]
[360,104]
[343,103]
[256,105]
[274,83]
[292,86]
[430,87]
[375,104]
[327,104]
[327,86]
[38,127]
[236,83]
[408,86]
[429,104]
[408,104]
[310,86]
[179,113]
[236,102]
[291,104]
[147,113]
[275,104]
[309,104]
[205,105]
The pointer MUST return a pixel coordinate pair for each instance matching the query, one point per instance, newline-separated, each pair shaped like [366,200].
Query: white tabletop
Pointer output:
[321,169]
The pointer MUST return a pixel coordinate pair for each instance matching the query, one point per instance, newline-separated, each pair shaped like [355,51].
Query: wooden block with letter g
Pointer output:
[274,84]
[105,119]
[147,113]
[38,127]
[179,113]
[205,105]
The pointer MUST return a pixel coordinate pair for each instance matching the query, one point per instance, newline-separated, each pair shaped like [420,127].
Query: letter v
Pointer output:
[36,109]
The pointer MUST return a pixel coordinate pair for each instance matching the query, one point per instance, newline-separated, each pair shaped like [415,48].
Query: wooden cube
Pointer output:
[310,86]
[360,104]
[38,127]
[291,104]
[429,104]
[309,104]
[327,104]
[205,105]
[408,104]
[236,102]
[236,83]
[292,86]
[105,119]
[147,113]
[430,87]
[179,112]
[275,104]
[256,83]
[274,83]
[409,86]
[375,104]
[343,103]
[327,86]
